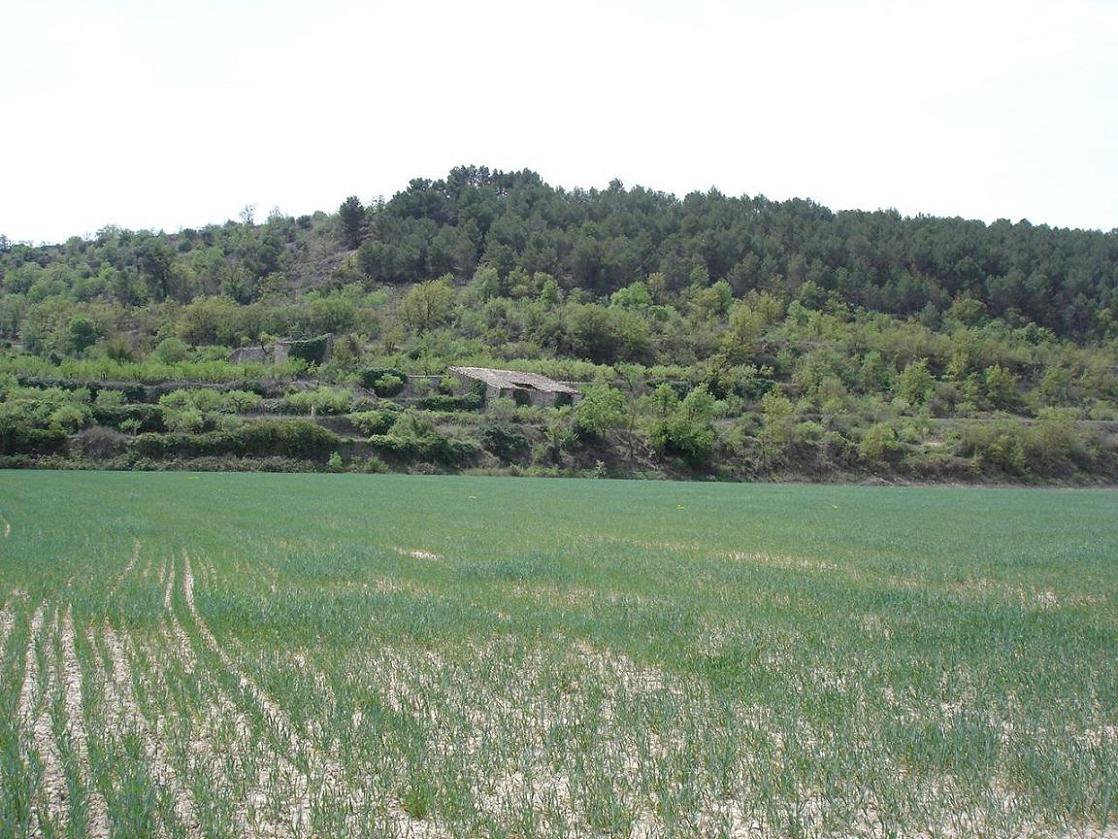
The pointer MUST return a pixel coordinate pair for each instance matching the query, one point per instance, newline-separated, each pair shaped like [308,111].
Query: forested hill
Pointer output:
[734,337]
[600,241]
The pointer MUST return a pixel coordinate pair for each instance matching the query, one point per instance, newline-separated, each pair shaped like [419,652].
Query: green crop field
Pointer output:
[344,655]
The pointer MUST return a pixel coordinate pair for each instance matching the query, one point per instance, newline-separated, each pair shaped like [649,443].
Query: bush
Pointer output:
[414,438]
[171,350]
[877,443]
[310,350]
[130,417]
[439,402]
[17,437]
[371,375]
[323,400]
[601,410]
[388,385]
[504,440]
[285,438]
[101,443]
[687,430]
[373,422]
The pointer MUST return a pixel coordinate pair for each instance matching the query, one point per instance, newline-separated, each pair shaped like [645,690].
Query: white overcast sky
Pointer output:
[150,114]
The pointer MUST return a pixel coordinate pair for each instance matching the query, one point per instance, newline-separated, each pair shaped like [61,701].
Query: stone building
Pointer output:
[522,388]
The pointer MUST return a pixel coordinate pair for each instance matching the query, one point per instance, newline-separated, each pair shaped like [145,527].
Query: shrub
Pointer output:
[388,385]
[286,437]
[504,440]
[107,400]
[101,443]
[184,420]
[171,350]
[877,443]
[371,375]
[687,431]
[17,437]
[439,402]
[310,350]
[414,438]
[600,411]
[68,418]
[373,422]
[125,417]
[323,400]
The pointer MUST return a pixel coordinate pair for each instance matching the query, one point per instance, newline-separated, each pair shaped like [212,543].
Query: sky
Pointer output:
[147,114]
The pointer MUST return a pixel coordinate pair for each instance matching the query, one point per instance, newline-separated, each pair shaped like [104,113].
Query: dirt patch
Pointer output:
[75,728]
[34,717]
[169,589]
[417,554]
[119,693]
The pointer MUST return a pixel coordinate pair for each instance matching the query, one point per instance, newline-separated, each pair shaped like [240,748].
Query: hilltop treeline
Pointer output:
[735,336]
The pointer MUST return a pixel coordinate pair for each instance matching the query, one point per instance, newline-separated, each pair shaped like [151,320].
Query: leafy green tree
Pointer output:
[601,410]
[879,440]
[171,350]
[1001,386]
[82,333]
[351,215]
[688,431]
[428,305]
[915,383]
[155,263]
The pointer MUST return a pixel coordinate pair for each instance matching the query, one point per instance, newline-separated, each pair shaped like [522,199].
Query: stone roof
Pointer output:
[513,379]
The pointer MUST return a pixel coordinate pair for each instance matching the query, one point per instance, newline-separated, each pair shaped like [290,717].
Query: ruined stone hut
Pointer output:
[522,388]
[316,350]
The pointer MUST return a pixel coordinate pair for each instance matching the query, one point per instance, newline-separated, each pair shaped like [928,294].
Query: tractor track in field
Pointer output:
[222,716]
[277,772]
[98,827]
[118,689]
[169,588]
[34,718]
[272,713]
[332,771]
[7,624]
[137,545]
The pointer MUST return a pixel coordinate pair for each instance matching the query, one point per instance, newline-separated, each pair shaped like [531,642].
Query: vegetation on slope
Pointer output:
[729,336]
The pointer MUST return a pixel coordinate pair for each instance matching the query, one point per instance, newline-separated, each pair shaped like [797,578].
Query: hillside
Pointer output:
[712,336]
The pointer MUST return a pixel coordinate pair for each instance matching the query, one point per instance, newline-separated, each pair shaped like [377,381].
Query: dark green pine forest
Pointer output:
[710,336]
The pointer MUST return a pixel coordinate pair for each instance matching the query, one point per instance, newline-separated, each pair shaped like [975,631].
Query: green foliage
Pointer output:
[373,422]
[862,318]
[442,402]
[370,376]
[687,431]
[321,400]
[915,383]
[601,410]
[878,442]
[388,385]
[351,216]
[413,438]
[310,350]
[504,439]
[171,350]
[291,438]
